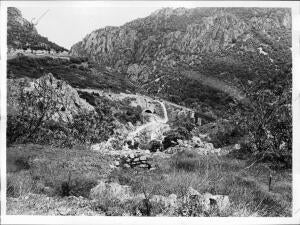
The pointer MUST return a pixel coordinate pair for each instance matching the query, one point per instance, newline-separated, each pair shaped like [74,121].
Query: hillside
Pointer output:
[186,112]
[76,71]
[21,34]
[234,46]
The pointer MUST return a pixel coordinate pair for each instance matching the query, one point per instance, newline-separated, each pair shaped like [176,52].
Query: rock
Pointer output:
[192,192]
[197,141]
[205,201]
[143,158]
[143,165]
[66,98]
[146,152]
[111,191]
[128,160]
[126,165]
[173,200]
[168,204]
[63,211]
[96,147]
[222,202]
[209,201]
[209,146]
[237,146]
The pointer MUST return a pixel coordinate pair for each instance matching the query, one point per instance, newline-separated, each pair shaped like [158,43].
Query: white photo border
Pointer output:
[20,219]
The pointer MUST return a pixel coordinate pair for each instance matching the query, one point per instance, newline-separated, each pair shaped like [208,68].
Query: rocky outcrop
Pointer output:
[150,105]
[198,146]
[169,205]
[22,34]
[64,99]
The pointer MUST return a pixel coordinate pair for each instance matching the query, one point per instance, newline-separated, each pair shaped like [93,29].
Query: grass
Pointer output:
[45,171]
[53,171]
[247,189]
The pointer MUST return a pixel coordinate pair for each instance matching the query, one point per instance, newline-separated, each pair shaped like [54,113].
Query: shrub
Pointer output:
[77,186]
[34,107]
[171,138]
[155,146]
[75,60]
[225,134]
[129,114]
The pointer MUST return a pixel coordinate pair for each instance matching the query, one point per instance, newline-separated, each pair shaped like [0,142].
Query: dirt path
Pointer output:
[153,126]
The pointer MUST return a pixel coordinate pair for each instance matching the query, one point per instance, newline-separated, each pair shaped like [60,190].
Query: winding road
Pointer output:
[153,126]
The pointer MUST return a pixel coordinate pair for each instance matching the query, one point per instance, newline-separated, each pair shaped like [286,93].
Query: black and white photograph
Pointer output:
[161,110]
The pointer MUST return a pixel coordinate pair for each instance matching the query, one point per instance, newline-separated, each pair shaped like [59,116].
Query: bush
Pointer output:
[77,186]
[129,114]
[225,134]
[34,107]
[155,146]
[171,138]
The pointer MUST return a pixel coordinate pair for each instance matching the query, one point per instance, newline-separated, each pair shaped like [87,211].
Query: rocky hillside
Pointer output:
[66,98]
[164,53]
[21,34]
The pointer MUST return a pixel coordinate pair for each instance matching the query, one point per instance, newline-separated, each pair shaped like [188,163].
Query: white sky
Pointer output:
[68,22]
[66,26]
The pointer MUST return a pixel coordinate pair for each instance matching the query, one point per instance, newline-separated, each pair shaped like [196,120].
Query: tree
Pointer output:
[36,104]
[267,119]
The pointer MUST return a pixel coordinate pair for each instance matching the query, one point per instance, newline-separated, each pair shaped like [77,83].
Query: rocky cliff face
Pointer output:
[64,98]
[158,52]
[21,34]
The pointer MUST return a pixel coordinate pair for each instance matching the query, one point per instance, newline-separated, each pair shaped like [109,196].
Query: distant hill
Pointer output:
[171,52]
[21,34]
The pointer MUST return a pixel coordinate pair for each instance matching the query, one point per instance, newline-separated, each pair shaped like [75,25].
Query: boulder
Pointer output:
[222,202]
[192,192]
[166,202]
[217,202]
[197,141]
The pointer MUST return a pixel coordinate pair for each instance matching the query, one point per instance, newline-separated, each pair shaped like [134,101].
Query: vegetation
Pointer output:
[268,121]
[72,71]
[59,172]
[33,122]
[53,171]
[248,188]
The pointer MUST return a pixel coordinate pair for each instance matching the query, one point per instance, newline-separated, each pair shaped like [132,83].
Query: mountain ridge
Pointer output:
[22,34]
[233,45]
